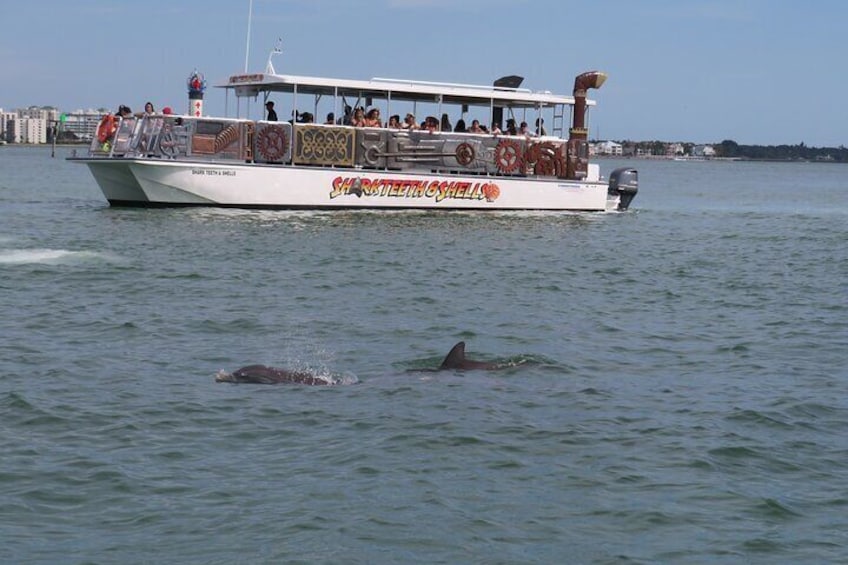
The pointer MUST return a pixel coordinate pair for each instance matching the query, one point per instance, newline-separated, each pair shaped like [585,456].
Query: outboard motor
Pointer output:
[625,183]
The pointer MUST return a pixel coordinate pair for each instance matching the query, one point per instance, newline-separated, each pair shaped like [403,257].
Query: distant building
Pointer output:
[83,123]
[674,149]
[28,125]
[608,148]
[46,113]
[4,117]
[703,151]
[26,130]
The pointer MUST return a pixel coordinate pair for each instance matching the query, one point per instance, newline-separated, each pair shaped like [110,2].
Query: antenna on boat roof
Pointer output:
[247,48]
[278,48]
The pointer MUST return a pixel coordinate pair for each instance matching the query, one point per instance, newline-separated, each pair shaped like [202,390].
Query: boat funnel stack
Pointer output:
[578,148]
[196,85]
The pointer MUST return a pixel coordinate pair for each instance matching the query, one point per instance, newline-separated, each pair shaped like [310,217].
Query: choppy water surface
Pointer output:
[684,399]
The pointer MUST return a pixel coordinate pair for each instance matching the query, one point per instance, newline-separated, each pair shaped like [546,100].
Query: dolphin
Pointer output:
[264,375]
[457,361]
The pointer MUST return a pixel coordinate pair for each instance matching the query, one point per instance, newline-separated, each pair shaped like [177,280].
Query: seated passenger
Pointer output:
[475,127]
[523,130]
[540,127]
[409,122]
[431,124]
[510,127]
[460,126]
[331,119]
[358,119]
[496,130]
[394,122]
[372,120]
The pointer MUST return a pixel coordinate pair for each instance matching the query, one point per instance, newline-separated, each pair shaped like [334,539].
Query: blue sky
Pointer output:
[755,71]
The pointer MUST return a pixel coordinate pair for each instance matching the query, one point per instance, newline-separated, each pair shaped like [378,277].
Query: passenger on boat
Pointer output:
[409,122]
[272,114]
[460,126]
[446,125]
[431,124]
[540,127]
[394,122]
[510,127]
[523,130]
[372,120]
[348,115]
[331,119]
[150,125]
[358,119]
[307,118]
[123,111]
[496,130]
[475,127]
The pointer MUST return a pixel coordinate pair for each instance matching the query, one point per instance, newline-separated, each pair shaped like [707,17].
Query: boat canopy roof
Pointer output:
[396,89]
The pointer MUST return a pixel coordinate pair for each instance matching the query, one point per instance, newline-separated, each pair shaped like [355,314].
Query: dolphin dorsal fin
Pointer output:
[455,358]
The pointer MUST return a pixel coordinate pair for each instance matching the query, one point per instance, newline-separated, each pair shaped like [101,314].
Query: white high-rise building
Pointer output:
[83,123]
[5,118]
[26,130]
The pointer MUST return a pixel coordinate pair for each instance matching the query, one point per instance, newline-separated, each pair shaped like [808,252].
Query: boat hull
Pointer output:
[145,182]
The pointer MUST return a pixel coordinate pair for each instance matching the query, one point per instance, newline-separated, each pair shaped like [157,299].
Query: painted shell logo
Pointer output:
[491,192]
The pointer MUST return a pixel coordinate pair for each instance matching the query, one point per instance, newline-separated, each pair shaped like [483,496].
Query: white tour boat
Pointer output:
[195,160]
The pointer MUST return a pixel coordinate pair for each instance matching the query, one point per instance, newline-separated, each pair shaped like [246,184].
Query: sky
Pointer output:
[765,72]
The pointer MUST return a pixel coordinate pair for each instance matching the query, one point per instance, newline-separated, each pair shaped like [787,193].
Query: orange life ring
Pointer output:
[106,128]
[271,143]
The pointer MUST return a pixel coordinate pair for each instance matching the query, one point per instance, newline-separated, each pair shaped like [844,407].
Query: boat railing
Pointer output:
[178,137]
[318,145]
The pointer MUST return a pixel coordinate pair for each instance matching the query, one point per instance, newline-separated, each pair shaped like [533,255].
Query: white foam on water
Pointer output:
[50,256]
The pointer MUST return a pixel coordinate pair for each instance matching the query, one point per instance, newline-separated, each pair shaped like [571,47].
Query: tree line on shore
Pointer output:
[800,152]
[729,149]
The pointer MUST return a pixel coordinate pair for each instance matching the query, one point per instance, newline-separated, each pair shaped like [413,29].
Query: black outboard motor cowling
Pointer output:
[625,183]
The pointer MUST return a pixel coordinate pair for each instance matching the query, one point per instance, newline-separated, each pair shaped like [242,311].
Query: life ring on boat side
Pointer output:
[106,128]
[508,156]
[464,154]
[272,143]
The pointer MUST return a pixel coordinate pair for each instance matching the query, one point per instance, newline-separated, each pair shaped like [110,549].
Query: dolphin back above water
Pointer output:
[457,361]
[264,375]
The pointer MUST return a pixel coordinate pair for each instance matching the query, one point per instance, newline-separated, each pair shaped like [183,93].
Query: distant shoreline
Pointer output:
[723,159]
[594,157]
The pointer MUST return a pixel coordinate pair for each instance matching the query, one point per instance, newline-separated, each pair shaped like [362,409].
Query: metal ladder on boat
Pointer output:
[559,120]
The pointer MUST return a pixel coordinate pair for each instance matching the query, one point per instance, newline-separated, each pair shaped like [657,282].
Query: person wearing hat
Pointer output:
[272,115]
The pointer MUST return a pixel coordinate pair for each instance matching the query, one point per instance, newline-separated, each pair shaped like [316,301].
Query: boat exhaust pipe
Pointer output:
[577,164]
[624,183]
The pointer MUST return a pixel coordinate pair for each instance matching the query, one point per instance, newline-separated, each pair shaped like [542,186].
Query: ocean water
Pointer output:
[678,394]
